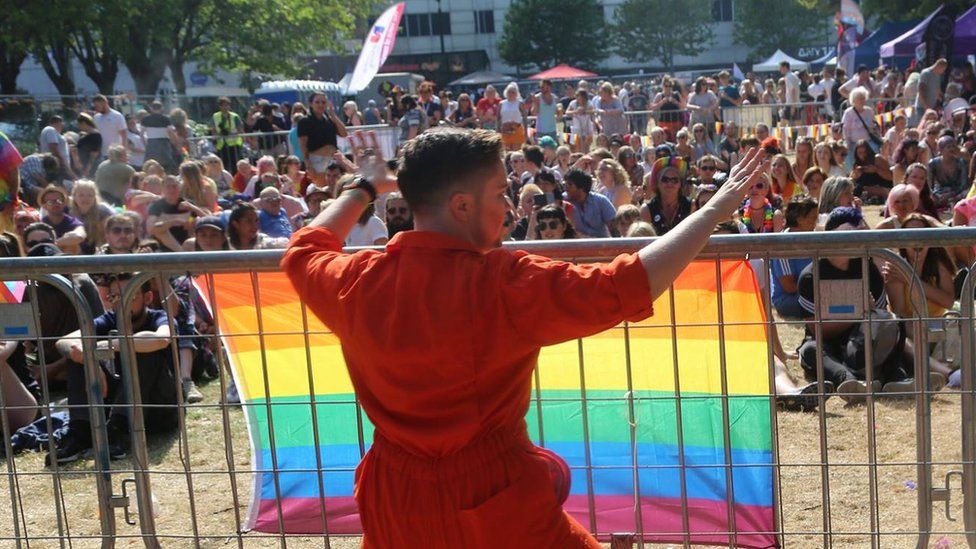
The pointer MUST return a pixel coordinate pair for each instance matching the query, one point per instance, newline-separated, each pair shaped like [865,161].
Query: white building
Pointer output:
[476,25]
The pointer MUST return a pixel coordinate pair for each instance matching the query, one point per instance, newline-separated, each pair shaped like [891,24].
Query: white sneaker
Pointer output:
[855,391]
[191,395]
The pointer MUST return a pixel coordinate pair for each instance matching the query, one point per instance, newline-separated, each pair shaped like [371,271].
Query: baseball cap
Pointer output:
[211,221]
[547,142]
[313,189]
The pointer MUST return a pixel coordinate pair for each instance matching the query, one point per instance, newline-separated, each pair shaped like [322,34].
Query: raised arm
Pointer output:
[666,257]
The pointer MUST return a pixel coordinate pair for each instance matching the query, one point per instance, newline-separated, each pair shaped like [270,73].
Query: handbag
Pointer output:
[876,141]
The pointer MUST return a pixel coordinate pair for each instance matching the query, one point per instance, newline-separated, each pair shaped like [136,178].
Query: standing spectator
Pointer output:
[510,119]
[583,124]
[318,136]
[669,104]
[113,175]
[487,108]
[792,110]
[859,120]
[638,103]
[729,148]
[399,217]
[704,106]
[266,123]
[369,230]
[611,111]
[110,123]
[544,107]
[227,126]
[351,115]
[413,121]
[893,138]
[89,145]
[52,142]
[593,214]
[930,87]
[70,232]
[160,137]
[430,103]
[860,80]
[134,143]
[465,116]
[728,93]
[372,115]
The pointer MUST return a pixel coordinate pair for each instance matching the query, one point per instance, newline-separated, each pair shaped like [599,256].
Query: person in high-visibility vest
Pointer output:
[228,126]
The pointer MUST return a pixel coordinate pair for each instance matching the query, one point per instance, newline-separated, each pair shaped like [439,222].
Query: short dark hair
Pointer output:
[100,98]
[785,64]
[54,119]
[40,226]
[799,207]
[441,160]
[533,154]
[580,179]
[842,215]
[545,81]
[106,279]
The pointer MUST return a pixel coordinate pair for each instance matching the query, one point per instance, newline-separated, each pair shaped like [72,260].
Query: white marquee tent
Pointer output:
[772,64]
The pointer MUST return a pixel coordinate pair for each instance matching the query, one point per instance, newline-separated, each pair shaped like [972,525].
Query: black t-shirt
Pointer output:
[88,144]
[156,120]
[319,131]
[637,102]
[808,294]
[162,207]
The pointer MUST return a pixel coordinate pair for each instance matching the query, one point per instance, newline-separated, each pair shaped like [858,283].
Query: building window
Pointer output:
[484,22]
[722,10]
[427,24]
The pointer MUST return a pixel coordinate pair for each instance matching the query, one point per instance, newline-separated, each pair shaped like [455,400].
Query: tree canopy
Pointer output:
[643,34]
[545,33]
[768,25]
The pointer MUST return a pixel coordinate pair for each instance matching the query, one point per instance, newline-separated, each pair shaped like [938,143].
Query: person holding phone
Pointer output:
[318,136]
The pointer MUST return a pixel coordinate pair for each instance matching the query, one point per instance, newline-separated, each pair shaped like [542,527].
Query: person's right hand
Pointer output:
[741,178]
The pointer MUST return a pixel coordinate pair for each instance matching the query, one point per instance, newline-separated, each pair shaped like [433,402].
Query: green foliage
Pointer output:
[545,33]
[768,25]
[644,34]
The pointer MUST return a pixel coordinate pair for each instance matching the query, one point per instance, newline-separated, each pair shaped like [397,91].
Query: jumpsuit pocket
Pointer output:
[519,512]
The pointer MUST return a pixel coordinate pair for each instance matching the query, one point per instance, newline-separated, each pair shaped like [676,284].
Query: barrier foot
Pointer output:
[622,541]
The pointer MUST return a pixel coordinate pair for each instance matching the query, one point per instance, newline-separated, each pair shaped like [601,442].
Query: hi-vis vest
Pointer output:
[218,119]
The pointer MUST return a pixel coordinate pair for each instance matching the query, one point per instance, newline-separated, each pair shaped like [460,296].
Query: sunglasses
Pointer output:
[272,200]
[759,186]
[32,243]
[549,225]
[54,201]
[122,230]
[402,210]
[671,180]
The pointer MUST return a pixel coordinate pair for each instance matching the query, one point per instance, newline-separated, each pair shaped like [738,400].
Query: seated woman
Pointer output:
[669,206]
[903,201]
[551,223]
[760,213]
[871,173]
[837,192]
[801,216]
[906,154]
[813,180]
[935,271]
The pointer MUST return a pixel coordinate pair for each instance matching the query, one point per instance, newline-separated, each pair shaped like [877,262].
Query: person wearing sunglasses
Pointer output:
[551,223]
[70,231]
[121,234]
[449,386]
[668,205]
[399,217]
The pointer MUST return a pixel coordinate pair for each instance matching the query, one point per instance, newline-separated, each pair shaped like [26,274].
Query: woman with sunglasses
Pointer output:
[465,116]
[669,206]
[758,214]
[551,223]
[701,142]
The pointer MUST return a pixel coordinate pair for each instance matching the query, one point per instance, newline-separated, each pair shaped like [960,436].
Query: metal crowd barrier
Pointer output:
[259,143]
[189,488]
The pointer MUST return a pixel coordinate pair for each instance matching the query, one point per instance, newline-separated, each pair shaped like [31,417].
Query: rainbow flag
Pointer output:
[275,376]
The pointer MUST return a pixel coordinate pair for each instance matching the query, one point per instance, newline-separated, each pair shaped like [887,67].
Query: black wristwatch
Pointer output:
[364,184]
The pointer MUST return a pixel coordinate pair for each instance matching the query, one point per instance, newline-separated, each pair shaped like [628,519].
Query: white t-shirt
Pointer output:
[50,136]
[136,157]
[792,87]
[509,111]
[109,125]
[366,235]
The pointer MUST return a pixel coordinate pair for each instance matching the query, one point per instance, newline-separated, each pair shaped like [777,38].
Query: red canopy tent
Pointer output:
[562,72]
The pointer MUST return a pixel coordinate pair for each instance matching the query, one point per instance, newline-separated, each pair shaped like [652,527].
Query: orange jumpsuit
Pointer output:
[440,342]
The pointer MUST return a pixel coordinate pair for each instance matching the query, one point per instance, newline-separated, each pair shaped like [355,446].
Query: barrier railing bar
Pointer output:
[224,414]
[255,288]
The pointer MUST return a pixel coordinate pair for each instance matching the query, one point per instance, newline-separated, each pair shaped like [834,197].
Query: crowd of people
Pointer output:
[601,160]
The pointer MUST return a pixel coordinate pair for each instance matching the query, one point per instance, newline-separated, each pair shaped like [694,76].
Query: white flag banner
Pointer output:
[376,48]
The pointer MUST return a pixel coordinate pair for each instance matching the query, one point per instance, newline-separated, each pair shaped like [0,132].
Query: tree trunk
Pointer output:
[179,78]
[10,62]
[55,59]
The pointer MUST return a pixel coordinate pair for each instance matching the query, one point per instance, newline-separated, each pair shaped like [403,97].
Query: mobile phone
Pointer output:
[539,200]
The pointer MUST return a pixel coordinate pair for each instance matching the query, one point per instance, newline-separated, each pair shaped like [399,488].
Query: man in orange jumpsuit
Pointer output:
[441,333]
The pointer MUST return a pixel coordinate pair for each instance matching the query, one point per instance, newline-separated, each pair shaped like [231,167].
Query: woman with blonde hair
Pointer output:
[181,134]
[782,178]
[614,182]
[351,115]
[510,117]
[193,182]
[804,157]
[86,205]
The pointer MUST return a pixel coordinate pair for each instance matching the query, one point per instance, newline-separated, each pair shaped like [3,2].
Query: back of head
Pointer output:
[443,160]
[844,215]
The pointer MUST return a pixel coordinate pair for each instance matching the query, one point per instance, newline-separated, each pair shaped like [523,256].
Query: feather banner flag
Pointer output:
[605,403]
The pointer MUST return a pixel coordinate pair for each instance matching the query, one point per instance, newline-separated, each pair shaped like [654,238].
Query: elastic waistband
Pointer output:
[477,454]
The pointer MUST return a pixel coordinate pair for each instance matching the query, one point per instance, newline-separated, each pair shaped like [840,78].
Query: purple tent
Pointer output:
[905,44]
[965,43]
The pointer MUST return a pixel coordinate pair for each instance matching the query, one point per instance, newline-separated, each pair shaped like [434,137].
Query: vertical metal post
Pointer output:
[828,540]
[968,396]
[726,423]
[679,424]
